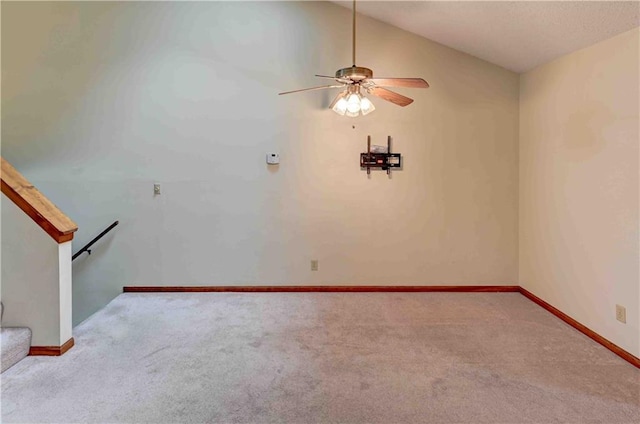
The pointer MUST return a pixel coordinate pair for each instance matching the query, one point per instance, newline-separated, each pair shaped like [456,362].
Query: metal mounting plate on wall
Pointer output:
[384,161]
[380,160]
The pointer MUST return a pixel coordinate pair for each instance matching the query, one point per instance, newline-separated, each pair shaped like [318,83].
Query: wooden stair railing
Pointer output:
[47,215]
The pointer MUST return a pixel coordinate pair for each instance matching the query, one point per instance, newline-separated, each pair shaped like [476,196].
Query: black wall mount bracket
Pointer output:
[377,160]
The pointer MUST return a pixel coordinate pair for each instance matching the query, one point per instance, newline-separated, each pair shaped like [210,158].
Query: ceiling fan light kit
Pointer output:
[355,79]
[351,103]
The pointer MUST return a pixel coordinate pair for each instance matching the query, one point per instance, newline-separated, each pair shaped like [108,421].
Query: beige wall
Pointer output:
[101,100]
[579,152]
[36,278]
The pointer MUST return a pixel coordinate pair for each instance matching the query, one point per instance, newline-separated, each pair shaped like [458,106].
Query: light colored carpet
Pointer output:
[324,358]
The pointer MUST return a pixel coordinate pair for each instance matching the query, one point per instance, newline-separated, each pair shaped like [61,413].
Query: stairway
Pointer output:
[14,343]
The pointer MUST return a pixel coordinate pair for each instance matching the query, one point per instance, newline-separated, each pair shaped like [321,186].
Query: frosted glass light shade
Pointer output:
[352,114]
[366,106]
[353,104]
[341,106]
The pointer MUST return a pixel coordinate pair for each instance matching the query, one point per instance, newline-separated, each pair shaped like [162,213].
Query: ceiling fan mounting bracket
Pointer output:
[354,73]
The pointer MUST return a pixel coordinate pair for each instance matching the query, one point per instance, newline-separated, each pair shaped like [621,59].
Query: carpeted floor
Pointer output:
[324,358]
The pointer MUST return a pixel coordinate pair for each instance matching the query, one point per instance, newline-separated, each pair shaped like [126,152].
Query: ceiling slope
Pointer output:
[517,35]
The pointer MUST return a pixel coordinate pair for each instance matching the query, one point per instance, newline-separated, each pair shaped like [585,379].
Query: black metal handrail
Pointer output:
[99,236]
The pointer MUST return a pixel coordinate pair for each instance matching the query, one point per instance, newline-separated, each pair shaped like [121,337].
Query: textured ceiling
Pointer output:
[517,35]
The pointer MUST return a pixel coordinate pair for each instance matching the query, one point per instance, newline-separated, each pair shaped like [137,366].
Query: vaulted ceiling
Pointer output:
[517,35]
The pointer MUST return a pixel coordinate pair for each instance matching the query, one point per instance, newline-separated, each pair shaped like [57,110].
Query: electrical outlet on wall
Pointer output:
[621,314]
[314,264]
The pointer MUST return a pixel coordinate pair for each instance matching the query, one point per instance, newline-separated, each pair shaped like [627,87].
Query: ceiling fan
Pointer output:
[356,79]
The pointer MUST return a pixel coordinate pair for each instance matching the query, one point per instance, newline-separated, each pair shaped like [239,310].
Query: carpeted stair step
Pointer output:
[14,345]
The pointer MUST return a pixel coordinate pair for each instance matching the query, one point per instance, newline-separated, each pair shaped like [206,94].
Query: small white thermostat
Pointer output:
[273,158]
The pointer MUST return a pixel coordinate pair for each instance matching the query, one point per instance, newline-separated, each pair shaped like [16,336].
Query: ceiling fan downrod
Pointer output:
[353,37]
[354,73]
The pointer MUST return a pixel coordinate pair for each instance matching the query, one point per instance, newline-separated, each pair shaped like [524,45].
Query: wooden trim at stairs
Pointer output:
[263,289]
[51,350]
[633,360]
[44,213]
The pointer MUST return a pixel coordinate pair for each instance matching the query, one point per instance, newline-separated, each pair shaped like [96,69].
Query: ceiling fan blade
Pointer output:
[390,96]
[399,82]
[312,88]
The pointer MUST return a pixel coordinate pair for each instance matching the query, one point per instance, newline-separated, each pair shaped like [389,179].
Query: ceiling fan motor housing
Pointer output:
[354,73]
